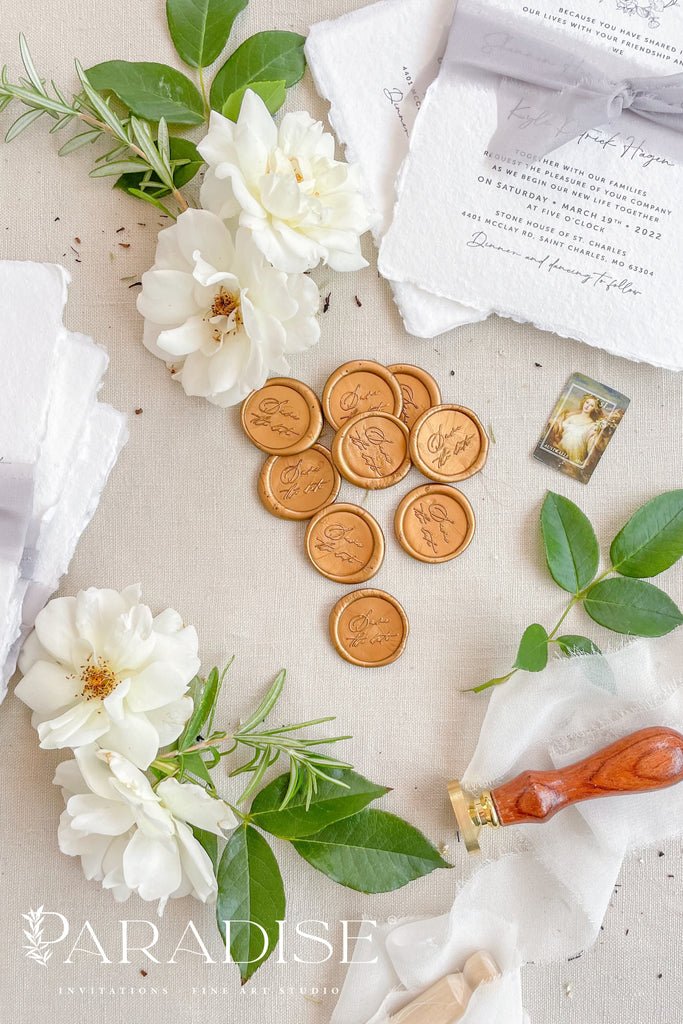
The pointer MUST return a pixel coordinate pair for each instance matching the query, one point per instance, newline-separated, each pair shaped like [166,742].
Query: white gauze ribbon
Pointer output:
[547,95]
[16,507]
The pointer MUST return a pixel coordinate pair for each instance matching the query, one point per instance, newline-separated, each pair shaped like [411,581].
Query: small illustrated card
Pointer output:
[580,427]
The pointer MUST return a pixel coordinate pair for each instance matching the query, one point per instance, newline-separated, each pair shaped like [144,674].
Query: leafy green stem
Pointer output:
[202,86]
[136,149]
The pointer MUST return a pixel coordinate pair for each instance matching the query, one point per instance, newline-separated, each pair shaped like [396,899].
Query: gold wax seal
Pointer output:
[283,417]
[434,523]
[448,443]
[420,391]
[360,386]
[345,543]
[369,628]
[371,451]
[298,486]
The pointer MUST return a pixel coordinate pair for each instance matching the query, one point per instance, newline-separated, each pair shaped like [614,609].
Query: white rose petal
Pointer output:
[235,318]
[301,205]
[131,838]
[100,667]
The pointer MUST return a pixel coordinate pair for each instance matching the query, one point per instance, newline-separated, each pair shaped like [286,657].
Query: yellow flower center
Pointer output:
[227,305]
[98,679]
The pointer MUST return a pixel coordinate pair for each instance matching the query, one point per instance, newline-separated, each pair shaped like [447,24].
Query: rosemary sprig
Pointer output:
[307,765]
[136,150]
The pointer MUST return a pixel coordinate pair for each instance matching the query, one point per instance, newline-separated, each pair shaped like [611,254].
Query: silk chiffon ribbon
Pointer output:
[16,506]
[555,96]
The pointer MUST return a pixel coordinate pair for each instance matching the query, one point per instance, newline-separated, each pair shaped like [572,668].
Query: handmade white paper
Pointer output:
[51,427]
[374,66]
[550,897]
[33,297]
[586,242]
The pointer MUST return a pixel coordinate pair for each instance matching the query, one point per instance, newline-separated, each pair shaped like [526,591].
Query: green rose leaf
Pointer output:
[331,803]
[532,655]
[571,547]
[200,28]
[652,539]
[573,644]
[273,95]
[181,149]
[373,851]
[632,606]
[150,90]
[251,896]
[209,840]
[264,57]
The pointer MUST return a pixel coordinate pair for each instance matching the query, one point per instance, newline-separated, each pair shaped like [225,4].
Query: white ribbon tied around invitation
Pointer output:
[576,95]
[585,241]
[546,900]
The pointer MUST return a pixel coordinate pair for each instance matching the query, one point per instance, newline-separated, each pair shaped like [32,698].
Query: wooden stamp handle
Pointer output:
[645,760]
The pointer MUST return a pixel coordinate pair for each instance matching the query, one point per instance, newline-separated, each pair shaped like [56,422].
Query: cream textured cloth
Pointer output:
[181,515]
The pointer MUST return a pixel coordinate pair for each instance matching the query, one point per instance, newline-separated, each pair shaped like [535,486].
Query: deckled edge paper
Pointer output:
[374,66]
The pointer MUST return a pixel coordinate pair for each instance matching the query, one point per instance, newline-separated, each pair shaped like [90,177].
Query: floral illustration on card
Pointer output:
[649,10]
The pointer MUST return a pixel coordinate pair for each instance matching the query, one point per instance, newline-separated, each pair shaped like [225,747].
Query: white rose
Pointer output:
[132,839]
[300,204]
[218,312]
[99,667]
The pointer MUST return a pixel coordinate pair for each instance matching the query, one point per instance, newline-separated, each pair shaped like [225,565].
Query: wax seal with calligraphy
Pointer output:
[434,523]
[357,387]
[298,486]
[448,443]
[345,543]
[371,451]
[369,628]
[283,417]
[420,391]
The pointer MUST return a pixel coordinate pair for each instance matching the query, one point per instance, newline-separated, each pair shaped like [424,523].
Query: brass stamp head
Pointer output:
[471,813]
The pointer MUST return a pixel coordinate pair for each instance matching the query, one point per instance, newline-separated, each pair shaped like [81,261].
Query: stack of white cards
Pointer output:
[585,241]
[58,444]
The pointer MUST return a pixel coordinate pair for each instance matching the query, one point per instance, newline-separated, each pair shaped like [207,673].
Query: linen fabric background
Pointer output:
[181,515]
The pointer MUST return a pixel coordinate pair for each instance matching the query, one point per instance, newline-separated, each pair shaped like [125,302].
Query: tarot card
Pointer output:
[580,427]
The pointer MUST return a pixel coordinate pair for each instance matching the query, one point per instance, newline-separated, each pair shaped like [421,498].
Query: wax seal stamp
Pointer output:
[419,389]
[369,628]
[282,418]
[360,386]
[448,443]
[345,543]
[641,762]
[434,523]
[372,450]
[298,486]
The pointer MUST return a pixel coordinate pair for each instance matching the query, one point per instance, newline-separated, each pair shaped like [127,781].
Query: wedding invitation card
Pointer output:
[374,66]
[585,241]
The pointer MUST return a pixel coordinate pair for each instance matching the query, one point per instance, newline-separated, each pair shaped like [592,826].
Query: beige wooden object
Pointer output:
[444,1003]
